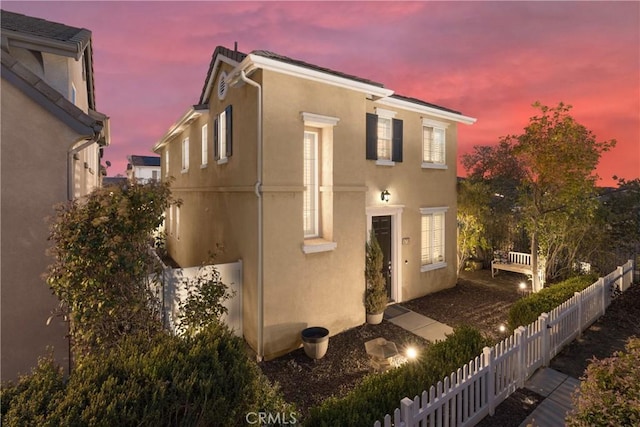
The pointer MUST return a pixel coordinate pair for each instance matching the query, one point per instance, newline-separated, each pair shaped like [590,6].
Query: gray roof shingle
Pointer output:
[144,160]
[42,28]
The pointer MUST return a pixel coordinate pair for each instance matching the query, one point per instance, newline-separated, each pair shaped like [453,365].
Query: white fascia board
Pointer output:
[216,66]
[423,109]
[189,116]
[318,76]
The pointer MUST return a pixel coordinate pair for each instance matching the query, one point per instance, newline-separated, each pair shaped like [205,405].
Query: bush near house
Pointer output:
[531,307]
[202,379]
[379,394]
[610,391]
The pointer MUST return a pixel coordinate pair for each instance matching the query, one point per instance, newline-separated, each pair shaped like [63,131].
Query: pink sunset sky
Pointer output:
[488,60]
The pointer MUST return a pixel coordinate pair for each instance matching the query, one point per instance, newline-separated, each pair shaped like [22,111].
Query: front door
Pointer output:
[382,229]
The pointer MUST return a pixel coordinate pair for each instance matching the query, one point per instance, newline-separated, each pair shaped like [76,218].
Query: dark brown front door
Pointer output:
[382,228]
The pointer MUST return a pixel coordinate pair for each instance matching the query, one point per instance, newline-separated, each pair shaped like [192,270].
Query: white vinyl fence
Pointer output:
[473,391]
[173,290]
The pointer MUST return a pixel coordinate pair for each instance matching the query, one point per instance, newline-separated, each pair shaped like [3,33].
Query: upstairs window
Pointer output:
[185,154]
[166,161]
[433,238]
[433,144]
[222,137]
[310,196]
[204,143]
[384,137]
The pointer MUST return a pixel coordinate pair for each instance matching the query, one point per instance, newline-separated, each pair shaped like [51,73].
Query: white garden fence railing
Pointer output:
[473,391]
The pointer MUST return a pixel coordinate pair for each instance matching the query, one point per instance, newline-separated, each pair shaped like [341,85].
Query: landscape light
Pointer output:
[523,286]
[412,353]
[502,329]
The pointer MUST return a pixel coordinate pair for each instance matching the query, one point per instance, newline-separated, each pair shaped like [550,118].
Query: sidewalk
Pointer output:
[423,326]
[557,389]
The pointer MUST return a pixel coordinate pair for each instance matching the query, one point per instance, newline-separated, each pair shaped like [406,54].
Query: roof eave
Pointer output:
[72,48]
[186,119]
[257,61]
[423,109]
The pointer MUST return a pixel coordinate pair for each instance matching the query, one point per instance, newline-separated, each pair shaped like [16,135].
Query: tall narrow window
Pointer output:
[433,238]
[311,188]
[433,144]
[383,137]
[222,135]
[178,222]
[204,142]
[166,161]
[185,154]
[74,93]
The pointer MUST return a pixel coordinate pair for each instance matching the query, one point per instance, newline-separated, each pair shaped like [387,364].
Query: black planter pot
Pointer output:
[315,341]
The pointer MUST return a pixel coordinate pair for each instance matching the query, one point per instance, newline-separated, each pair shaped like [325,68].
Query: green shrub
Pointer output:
[202,379]
[610,392]
[379,394]
[531,307]
[28,402]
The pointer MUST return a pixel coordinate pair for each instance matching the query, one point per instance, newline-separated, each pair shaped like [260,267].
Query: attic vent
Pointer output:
[222,85]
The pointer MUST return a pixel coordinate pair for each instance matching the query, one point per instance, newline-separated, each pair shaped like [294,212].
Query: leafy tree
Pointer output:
[552,166]
[473,214]
[102,263]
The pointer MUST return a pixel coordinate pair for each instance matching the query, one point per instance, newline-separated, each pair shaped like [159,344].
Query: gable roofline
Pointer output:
[46,36]
[93,124]
[28,32]
[220,54]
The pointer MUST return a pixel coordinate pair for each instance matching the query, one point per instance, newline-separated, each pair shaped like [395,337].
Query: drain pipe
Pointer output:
[258,192]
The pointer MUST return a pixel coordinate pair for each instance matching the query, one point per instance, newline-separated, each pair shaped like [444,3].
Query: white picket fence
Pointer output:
[473,391]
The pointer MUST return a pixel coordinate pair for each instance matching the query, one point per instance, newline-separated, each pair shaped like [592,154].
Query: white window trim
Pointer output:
[315,212]
[313,246]
[435,265]
[318,120]
[204,141]
[386,114]
[166,161]
[436,125]
[185,155]
[222,138]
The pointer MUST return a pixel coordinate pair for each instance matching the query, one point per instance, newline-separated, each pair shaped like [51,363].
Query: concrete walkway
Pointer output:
[416,323]
[557,389]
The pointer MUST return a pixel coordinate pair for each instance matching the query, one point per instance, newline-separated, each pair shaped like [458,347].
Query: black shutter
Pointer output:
[216,146]
[372,136]
[229,133]
[396,153]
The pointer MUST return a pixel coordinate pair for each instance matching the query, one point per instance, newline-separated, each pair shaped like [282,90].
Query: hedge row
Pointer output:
[379,394]
[528,309]
[610,393]
[207,379]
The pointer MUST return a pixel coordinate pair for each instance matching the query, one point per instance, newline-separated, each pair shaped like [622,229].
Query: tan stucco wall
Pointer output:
[34,178]
[317,289]
[415,187]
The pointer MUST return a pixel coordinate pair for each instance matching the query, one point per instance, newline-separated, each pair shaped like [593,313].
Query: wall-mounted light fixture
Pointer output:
[385,195]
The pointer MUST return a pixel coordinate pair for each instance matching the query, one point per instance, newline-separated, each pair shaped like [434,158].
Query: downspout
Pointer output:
[70,167]
[258,193]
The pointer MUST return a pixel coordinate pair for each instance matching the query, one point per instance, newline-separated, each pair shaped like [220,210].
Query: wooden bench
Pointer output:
[517,262]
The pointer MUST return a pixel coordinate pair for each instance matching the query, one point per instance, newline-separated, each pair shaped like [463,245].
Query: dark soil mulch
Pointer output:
[307,382]
[478,300]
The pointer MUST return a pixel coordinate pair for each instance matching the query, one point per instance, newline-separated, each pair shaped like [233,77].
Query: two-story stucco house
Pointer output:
[51,141]
[143,169]
[287,166]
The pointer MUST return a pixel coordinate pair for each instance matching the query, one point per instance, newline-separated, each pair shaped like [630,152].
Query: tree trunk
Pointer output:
[536,285]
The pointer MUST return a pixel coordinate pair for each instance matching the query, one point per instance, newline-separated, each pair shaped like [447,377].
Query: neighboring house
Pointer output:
[117,181]
[143,168]
[287,165]
[51,139]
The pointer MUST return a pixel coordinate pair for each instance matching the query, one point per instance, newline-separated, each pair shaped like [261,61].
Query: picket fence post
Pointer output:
[405,411]
[578,296]
[521,343]
[543,320]
[603,302]
[491,378]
